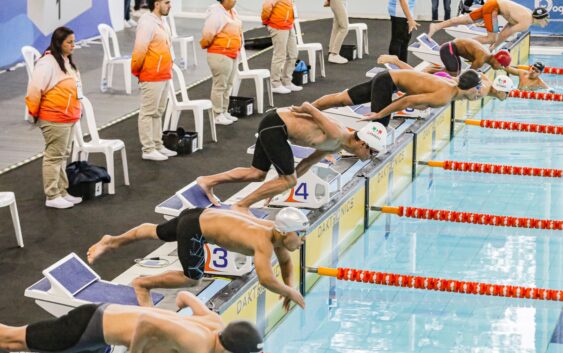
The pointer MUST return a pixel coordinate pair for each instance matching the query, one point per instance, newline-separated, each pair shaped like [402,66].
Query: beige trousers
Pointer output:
[284,56]
[153,103]
[339,25]
[58,137]
[223,70]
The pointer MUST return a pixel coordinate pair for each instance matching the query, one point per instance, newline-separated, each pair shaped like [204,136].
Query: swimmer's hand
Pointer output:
[371,116]
[304,108]
[294,296]
[387,59]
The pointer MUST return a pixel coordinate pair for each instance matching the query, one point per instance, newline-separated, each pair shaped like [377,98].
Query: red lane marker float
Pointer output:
[488,168]
[439,284]
[470,217]
[515,126]
[543,96]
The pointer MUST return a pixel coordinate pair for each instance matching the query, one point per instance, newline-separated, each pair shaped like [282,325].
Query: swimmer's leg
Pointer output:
[13,338]
[235,175]
[108,242]
[460,20]
[340,99]
[170,279]
[267,190]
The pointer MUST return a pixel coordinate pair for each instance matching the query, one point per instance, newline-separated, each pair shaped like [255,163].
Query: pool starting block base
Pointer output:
[70,282]
[426,49]
[314,189]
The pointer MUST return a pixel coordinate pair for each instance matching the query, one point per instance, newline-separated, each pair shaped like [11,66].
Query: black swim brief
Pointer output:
[450,58]
[379,91]
[185,229]
[272,146]
[79,330]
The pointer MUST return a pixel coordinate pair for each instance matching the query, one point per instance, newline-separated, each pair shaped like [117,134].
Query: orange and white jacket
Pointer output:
[52,95]
[152,57]
[278,14]
[222,31]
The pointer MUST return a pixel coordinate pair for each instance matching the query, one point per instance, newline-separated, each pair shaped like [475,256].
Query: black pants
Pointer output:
[447,10]
[400,38]
[127,10]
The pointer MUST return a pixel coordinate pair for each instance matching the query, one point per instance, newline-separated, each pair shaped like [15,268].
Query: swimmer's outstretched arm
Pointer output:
[307,163]
[188,299]
[512,70]
[402,103]
[153,331]
[507,31]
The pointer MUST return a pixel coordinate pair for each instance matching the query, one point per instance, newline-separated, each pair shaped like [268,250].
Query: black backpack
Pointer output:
[180,141]
[84,172]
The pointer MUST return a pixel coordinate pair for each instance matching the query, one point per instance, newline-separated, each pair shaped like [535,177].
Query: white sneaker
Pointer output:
[293,88]
[59,202]
[166,152]
[230,117]
[73,199]
[154,156]
[337,59]
[221,119]
[132,22]
[280,90]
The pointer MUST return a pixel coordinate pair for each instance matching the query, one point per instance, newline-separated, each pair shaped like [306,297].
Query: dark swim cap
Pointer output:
[469,79]
[539,65]
[241,337]
[540,12]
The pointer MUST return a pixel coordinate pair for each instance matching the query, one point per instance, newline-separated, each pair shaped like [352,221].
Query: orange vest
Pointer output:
[278,14]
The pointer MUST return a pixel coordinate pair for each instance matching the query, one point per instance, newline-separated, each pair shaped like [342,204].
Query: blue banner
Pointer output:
[555,8]
[31,22]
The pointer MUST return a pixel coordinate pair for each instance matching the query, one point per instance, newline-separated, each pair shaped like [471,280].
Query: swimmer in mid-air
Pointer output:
[422,90]
[530,79]
[304,126]
[234,231]
[519,18]
[91,327]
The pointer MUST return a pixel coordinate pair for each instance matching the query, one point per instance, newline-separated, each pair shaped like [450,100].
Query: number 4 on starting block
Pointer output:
[220,261]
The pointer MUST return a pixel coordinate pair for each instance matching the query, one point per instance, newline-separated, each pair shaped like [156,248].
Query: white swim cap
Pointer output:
[503,83]
[375,135]
[291,219]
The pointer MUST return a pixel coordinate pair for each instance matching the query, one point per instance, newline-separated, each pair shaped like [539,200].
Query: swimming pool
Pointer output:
[355,317]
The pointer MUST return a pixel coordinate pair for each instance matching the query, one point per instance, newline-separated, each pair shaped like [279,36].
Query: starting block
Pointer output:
[426,49]
[220,261]
[70,282]
[314,189]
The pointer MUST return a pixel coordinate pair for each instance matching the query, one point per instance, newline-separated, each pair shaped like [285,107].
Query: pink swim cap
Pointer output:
[443,74]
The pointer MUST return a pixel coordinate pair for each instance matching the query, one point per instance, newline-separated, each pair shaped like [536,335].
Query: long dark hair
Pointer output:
[59,36]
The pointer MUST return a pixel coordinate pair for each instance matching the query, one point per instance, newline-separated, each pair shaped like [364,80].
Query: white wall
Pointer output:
[314,8]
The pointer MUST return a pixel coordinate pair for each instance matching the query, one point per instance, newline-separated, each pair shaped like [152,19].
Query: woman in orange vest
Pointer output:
[278,16]
[53,100]
[222,37]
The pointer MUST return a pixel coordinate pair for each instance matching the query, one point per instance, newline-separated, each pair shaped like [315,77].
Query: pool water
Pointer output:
[355,317]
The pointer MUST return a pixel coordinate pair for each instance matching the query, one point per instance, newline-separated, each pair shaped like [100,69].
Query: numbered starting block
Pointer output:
[410,113]
[426,48]
[70,282]
[220,261]
[314,189]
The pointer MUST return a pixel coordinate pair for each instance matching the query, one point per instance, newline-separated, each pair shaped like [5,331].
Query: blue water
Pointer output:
[354,317]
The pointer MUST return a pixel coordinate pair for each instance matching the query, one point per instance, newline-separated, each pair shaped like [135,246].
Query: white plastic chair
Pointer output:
[258,75]
[312,49]
[175,108]
[361,30]
[112,57]
[8,198]
[183,41]
[30,56]
[82,148]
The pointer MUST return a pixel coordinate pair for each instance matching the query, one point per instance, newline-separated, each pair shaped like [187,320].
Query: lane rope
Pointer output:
[438,284]
[547,70]
[470,217]
[542,96]
[488,168]
[514,126]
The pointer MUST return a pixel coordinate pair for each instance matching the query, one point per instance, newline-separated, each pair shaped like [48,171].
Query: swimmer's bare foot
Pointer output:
[432,29]
[99,248]
[387,59]
[201,181]
[143,294]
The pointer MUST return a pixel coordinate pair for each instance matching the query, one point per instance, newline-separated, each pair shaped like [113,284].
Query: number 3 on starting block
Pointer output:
[220,261]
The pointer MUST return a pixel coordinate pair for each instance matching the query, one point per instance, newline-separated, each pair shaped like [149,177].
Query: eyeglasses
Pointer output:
[478,87]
